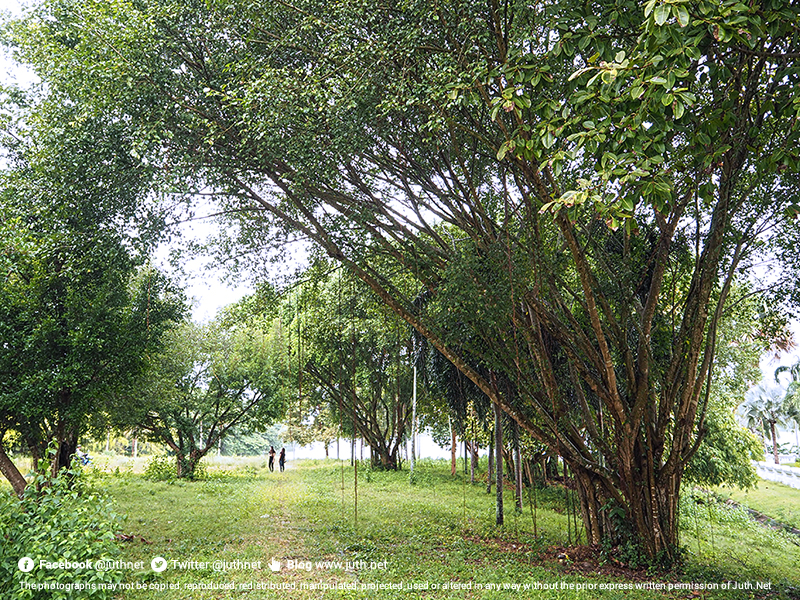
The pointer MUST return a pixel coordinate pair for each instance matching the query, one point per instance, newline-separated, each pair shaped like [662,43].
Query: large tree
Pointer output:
[77,322]
[78,308]
[356,358]
[207,381]
[580,183]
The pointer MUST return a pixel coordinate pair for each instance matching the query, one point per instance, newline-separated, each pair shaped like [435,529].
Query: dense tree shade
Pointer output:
[79,309]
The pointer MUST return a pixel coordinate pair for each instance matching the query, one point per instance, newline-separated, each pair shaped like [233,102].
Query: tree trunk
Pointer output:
[381,457]
[12,473]
[452,450]
[187,464]
[551,468]
[517,467]
[498,447]
[774,442]
[414,421]
[647,509]
[491,468]
[67,446]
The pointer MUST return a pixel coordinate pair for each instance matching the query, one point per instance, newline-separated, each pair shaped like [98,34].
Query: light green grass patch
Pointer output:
[775,500]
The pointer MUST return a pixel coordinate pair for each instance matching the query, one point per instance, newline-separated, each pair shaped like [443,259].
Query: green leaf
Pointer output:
[501,153]
[682,15]
[662,14]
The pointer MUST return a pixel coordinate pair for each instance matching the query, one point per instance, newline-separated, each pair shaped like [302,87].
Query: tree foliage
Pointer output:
[78,307]
[763,412]
[749,329]
[77,317]
[356,359]
[206,381]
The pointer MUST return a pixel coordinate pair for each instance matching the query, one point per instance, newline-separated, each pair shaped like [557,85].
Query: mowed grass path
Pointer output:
[438,533]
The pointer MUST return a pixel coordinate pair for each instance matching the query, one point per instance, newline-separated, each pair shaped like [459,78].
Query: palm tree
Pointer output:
[762,410]
[791,401]
[791,408]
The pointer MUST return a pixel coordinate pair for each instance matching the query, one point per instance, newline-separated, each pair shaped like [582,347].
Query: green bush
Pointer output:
[163,468]
[60,519]
[160,468]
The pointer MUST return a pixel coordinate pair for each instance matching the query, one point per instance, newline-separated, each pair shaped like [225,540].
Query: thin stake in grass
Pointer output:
[531,498]
[710,522]
[566,500]
[696,522]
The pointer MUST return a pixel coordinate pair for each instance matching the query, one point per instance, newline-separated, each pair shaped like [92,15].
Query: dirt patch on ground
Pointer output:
[587,561]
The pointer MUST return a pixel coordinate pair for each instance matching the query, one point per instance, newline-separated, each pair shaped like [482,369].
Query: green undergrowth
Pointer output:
[65,519]
[726,543]
[383,531]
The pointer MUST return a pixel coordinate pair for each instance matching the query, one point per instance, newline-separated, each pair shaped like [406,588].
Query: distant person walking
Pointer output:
[271,459]
[282,459]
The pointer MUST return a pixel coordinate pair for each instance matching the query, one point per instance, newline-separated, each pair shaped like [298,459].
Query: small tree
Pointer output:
[317,423]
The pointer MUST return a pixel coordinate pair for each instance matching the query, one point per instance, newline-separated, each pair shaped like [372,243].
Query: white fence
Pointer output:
[780,473]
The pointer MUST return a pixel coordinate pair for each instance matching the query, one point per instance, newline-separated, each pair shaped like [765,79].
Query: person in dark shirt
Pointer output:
[271,458]
[282,459]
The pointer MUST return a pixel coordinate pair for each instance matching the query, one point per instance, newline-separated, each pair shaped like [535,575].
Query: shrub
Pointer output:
[163,468]
[160,468]
[58,519]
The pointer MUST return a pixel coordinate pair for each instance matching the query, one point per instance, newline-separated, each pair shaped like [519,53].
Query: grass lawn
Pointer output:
[437,536]
[775,500]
